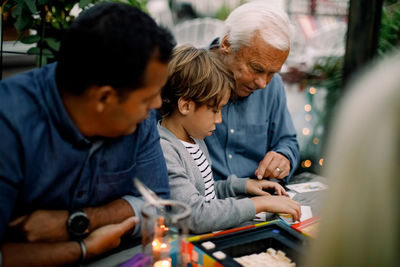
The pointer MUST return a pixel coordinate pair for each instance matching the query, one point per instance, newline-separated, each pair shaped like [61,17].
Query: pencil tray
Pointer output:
[254,239]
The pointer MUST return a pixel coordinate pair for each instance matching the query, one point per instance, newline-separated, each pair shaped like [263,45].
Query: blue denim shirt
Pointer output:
[250,128]
[46,163]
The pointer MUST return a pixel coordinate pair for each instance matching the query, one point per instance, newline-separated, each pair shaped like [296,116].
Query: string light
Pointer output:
[308,117]
[312,90]
[307,108]
[321,161]
[306,131]
[306,163]
[316,140]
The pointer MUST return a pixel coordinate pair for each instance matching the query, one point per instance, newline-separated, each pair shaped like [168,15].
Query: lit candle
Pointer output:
[163,263]
[160,249]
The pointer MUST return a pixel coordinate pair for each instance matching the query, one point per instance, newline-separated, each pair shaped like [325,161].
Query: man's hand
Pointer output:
[65,253]
[51,225]
[108,237]
[255,187]
[277,204]
[43,226]
[274,165]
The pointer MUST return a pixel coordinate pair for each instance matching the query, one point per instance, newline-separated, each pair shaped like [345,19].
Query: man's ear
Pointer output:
[225,45]
[105,96]
[185,106]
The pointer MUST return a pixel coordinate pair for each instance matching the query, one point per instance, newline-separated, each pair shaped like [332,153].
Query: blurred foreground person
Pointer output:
[361,217]
[74,133]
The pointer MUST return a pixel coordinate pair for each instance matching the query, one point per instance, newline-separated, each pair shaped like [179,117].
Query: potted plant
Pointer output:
[42,22]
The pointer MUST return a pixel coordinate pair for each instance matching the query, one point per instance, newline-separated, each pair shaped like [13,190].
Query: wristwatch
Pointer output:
[78,224]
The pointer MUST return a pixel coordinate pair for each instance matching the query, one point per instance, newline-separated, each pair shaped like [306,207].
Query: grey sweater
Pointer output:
[187,185]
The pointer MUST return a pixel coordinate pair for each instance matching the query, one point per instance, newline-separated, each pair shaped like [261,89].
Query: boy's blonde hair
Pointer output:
[197,75]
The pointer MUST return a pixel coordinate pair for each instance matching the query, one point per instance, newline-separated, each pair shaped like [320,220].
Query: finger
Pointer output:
[297,209]
[275,167]
[263,193]
[260,192]
[18,221]
[281,190]
[272,170]
[284,165]
[295,215]
[268,172]
[283,174]
[262,166]
[259,173]
[127,225]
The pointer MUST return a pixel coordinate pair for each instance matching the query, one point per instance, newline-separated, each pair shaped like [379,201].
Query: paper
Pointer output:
[263,216]
[291,194]
[307,187]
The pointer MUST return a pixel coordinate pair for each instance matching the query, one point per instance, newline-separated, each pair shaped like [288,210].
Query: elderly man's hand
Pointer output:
[43,225]
[274,165]
[108,237]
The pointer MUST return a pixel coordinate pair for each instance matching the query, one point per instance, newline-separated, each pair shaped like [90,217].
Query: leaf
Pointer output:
[33,51]
[36,51]
[42,2]
[42,62]
[46,52]
[31,5]
[22,23]
[52,43]
[84,3]
[55,24]
[17,11]
[31,39]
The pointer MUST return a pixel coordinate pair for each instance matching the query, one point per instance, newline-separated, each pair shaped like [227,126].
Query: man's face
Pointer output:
[254,66]
[123,116]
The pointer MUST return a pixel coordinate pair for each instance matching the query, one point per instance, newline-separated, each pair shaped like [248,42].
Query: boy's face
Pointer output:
[201,122]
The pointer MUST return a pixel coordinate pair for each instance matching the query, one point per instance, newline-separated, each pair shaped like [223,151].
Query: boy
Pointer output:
[198,87]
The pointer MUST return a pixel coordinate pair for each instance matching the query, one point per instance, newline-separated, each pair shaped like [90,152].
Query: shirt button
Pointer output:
[232,131]
[230,156]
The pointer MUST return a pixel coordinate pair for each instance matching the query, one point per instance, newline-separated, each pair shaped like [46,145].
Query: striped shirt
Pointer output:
[204,167]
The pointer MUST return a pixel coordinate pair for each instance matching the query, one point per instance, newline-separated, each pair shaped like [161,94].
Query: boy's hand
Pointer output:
[255,187]
[277,204]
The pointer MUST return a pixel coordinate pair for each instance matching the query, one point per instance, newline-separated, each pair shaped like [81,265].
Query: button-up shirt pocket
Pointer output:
[112,184]
[256,139]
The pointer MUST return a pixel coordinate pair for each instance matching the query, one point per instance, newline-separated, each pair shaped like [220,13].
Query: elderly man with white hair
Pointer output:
[256,136]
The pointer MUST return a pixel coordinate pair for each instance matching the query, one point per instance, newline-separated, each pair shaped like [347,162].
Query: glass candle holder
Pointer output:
[164,226]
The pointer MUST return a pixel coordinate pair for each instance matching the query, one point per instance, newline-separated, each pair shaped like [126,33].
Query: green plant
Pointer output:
[42,22]
[390,28]
[326,74]
[224,11]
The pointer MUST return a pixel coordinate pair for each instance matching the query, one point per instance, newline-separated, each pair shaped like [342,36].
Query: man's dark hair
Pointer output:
[110,44]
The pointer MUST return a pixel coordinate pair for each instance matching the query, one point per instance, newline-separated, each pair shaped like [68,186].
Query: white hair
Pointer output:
[258,16]
[361,217]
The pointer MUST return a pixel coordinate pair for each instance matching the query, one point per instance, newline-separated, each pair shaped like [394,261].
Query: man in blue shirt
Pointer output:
[74,134]
[256,136]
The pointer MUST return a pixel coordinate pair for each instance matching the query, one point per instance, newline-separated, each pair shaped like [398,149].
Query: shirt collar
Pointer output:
[56,108]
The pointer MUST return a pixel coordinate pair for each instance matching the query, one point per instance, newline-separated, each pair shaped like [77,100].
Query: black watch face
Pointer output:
[79,223]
